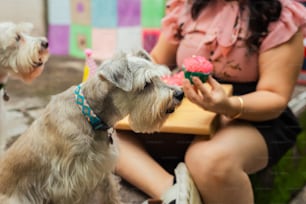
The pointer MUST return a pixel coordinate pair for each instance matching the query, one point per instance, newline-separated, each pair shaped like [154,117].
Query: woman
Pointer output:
[257,46]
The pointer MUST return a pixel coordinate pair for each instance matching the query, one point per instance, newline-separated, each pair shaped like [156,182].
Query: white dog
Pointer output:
[69,152]
[21,56]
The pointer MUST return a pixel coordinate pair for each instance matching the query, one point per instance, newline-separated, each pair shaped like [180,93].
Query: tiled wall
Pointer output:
[106,26]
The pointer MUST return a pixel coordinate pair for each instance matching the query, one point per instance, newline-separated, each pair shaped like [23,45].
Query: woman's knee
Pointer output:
[210,164]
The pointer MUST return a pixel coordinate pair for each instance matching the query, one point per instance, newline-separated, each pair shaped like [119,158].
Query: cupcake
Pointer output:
[197,66]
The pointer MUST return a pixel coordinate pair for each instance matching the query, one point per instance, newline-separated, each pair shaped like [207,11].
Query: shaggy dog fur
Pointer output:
[62,159]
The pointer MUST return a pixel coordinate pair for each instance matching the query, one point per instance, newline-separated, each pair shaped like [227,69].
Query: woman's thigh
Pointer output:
[237,142]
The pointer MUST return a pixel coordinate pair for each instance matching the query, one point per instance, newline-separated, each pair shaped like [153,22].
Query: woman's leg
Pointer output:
[220,166]
[137,167]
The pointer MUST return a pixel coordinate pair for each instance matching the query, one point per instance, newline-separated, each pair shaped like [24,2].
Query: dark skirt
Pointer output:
[280,133]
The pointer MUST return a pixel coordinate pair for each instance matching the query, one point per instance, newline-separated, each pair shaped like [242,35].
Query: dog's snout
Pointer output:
[44,44]
[179,95]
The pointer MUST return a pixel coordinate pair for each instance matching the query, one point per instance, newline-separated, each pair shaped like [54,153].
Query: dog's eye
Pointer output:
[18,37]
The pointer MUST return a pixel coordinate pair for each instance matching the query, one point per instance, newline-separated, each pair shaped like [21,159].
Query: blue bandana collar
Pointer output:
[92,118]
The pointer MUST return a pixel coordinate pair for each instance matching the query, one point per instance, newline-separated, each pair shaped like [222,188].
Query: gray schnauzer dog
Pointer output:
[69,153]
[21,56]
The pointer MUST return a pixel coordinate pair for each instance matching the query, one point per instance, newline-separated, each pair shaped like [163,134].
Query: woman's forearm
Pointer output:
[257,106]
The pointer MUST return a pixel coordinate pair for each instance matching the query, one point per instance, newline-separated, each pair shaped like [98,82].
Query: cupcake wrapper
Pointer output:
[202,76]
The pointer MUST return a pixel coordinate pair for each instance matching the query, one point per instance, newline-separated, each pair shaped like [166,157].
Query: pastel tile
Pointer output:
[152,11]
[106,26]
[129,12]
[80,12]
[80,39]
[129,39]
[58,37]
[149,38]
[104,42]
[104,13]
[59,12]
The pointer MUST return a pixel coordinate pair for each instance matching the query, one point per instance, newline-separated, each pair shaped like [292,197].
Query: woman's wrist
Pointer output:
[238,108]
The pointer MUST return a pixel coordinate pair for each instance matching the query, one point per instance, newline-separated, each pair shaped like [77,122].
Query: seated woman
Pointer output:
[257,46]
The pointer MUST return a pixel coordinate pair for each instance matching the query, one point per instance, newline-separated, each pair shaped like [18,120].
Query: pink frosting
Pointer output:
[198,64]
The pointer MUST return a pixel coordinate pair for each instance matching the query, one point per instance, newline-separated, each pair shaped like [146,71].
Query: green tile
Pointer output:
[152,11]
[80,39]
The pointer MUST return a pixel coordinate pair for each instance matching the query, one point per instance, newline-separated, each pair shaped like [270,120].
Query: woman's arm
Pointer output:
[164,52]
[278,69]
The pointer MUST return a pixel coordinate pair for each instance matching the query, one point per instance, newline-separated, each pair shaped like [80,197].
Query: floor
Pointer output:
[27,101]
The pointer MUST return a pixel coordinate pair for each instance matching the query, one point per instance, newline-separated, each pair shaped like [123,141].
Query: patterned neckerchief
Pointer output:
[92,118]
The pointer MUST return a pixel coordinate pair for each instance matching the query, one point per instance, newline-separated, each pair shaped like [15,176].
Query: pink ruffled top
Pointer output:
[219,37]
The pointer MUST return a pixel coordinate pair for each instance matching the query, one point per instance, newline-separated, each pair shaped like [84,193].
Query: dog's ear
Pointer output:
[143,54]
[116,71]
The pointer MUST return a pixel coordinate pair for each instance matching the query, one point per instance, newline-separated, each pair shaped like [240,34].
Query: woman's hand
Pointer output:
[211,98]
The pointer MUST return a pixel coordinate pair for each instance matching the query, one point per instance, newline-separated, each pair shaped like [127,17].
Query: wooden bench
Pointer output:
[188,118]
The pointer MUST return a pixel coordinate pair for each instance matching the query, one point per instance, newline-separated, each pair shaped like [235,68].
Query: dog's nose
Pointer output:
[44,44]
[179,95]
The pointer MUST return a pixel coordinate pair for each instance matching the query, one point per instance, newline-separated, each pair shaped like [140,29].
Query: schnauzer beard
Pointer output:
[149,114]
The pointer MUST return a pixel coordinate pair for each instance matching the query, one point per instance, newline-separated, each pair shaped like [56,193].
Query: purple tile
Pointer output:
[58,37]
[129,12]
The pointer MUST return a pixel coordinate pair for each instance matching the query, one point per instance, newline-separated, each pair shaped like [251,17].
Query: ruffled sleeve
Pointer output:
[293,18]
[171,22]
